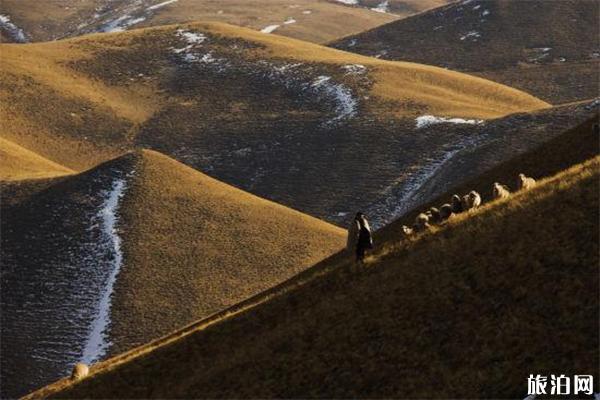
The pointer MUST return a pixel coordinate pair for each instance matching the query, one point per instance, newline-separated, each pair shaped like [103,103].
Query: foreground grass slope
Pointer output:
[188,246]
[17,163]
[549,49]
[501,291]
[287,120]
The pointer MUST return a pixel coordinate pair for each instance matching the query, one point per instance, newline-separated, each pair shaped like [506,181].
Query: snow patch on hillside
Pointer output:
[161,5]
[428,120]
[349,2]
[382,7]
[346,104]
[121,24]
[295,77]
[17,34]
[473,35]
[354,69]
[110,257]
[270,28]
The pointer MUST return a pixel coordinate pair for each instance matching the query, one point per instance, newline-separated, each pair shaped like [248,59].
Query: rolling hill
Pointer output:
[323,131]
[550,49]
[17,163]
[181,244]
[312,20]
[501,291]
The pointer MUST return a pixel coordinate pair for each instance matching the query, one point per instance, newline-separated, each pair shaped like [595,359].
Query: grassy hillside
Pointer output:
[316,21]
[194,246]
[188,246]
[500,291]
[313,128]
[17,163]
[396,7]
[574,145]
[549,49]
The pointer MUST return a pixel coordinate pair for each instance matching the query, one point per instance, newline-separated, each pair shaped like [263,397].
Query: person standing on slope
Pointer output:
[359,237]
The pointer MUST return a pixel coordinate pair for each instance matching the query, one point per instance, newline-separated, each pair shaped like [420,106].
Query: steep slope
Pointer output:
[128,251]
[18,163]
[550,49]
[312,20]
[502,291]
[575,145]
[322,131]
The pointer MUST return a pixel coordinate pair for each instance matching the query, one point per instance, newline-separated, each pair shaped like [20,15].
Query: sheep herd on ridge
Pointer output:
[458,204]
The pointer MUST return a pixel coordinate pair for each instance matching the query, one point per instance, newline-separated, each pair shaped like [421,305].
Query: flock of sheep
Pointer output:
[459,204]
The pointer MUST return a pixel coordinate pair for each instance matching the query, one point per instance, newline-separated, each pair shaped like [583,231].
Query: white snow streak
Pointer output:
[160,5]
[350,2]
[121,24]
[270,28]
[290,21]
[346,104]
[471,35]
[354,69]
[382,7]
[97,342]
[17,34]
[427,120]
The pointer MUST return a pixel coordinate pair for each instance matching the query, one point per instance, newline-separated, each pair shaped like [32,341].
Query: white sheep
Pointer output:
[80,371]
[525,182]
[500,191]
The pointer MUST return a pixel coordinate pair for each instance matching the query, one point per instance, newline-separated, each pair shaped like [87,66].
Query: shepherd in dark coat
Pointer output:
[360,237]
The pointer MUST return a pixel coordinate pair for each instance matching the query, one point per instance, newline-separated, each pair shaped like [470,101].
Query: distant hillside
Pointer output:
[501,291]
[17,163]
[322,131]
[548,48]
[313,20]
[117,256]
[396,7]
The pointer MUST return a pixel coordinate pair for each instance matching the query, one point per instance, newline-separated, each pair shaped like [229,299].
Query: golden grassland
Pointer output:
[544,48]
[501,290]
[17,163]
[194,246]
[78,120]
[327,20]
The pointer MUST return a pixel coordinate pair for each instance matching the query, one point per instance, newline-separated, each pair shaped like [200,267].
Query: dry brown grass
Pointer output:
[49,19]
[501,291]
[509,48]
[194,246]
[78,116]
[441,91]
[17,163]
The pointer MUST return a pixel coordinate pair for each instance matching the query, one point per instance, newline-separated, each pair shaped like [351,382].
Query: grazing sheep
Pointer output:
[421,223]
[525,182]
[474,199]
[500,191]
[80,371]
[456,204]
[406,231]
[446,212]
[435,215]
[471,200]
